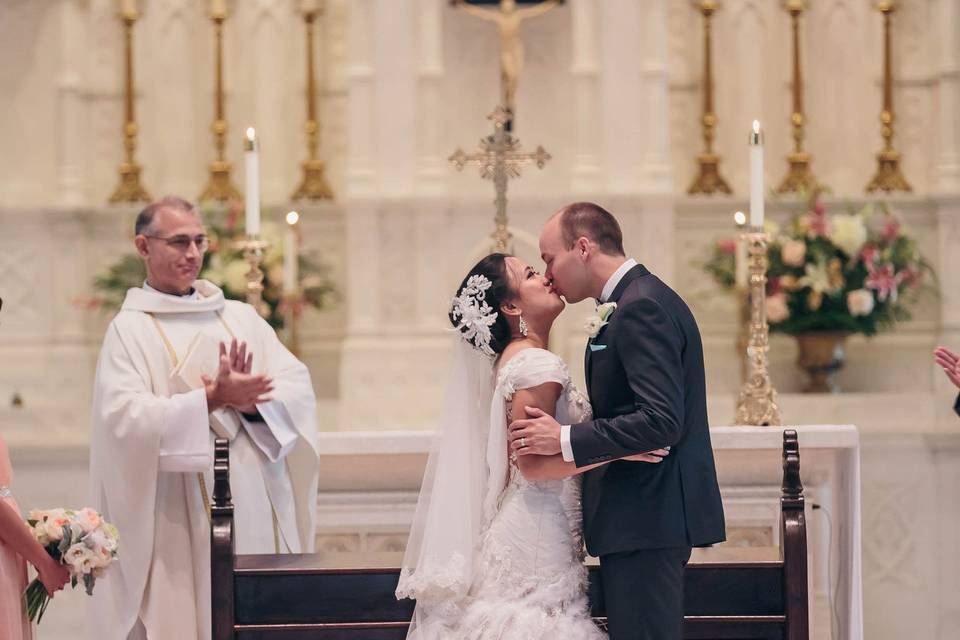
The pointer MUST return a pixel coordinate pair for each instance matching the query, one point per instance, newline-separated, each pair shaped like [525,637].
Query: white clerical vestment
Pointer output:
[151,461]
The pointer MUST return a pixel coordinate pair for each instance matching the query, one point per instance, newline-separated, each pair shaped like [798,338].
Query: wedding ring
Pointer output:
[523,442]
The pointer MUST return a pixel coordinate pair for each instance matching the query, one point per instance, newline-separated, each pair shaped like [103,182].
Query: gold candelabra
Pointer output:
[708,179]
[889,177]
[500,159]
[220,187]
[253,248]
[130,188]
[757,404]
[799,177]
[314,184]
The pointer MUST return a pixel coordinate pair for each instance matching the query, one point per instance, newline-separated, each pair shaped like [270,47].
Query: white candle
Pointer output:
[252,166]
[291,273]
[756,176]
[740,278]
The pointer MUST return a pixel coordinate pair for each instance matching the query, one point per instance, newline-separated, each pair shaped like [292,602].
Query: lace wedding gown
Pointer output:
[529,581]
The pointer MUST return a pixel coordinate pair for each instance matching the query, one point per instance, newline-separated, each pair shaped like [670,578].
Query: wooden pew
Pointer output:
[350,597]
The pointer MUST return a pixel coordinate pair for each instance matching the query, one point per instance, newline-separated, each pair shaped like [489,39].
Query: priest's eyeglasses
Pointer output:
[182,243]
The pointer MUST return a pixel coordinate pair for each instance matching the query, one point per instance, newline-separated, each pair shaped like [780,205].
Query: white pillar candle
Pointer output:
[740,278]
[756,176]
[291,273]
[252,167]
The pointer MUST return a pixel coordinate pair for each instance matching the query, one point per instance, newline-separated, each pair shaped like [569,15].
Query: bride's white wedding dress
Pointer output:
[528,579]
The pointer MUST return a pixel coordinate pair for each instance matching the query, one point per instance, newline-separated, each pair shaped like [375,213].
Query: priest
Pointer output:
[180,365]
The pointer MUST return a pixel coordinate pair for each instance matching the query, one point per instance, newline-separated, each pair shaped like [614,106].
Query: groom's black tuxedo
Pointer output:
[646,382]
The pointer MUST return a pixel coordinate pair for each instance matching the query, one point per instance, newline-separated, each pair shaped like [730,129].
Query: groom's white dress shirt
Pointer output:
[565,447]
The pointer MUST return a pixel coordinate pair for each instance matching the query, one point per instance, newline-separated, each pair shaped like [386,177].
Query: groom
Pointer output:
[644,372]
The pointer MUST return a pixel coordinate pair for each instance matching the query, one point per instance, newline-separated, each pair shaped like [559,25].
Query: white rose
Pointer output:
[79,558]
[777,310]
[235,275]
[88,519]
[593,325]
[849,233]
[860,302]
[793,253]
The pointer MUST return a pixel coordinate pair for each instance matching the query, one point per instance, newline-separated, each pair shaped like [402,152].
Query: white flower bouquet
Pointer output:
[81,540]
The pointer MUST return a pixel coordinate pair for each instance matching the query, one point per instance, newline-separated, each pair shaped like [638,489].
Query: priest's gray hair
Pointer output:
[145,218]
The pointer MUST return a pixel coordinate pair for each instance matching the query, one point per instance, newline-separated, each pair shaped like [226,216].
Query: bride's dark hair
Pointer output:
[493,268]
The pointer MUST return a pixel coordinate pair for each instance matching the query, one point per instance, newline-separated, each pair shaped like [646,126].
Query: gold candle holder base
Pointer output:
[253,248]
[314,185]
[889,177]
[130,189]
[799,178]
[757,404]
[220,187]
[708,180]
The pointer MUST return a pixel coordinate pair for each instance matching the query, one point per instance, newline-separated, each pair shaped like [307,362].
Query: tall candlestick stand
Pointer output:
[220,186]
[708,179]
[130,188]
[757,404]
[799,176]
[889,177]
[314,184]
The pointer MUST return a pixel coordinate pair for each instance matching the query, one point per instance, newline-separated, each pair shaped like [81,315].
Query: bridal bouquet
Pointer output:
[853,272]
[82,540]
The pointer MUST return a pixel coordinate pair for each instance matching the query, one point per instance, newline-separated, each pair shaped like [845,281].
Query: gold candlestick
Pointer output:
[889,177]
[757,404]
[253,248]
[708,179]
[293,301]
[314,184]
[799,176]
[220,187]
[130,188]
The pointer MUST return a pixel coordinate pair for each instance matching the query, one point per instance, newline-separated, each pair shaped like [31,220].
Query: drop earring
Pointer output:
[523,326]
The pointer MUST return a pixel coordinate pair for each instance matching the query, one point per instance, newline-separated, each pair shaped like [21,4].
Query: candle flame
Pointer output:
[740,218]
[756,126]
[293,218]
[251,134]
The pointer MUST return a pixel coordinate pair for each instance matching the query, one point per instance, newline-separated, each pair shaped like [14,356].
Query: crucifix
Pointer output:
[508,18]
[500,159]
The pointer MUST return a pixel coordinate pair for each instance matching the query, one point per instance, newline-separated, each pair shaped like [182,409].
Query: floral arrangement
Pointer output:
[855,272]
[81,540]
[225,266]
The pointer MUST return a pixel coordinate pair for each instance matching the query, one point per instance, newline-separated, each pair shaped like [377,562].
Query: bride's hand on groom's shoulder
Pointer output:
[537,434]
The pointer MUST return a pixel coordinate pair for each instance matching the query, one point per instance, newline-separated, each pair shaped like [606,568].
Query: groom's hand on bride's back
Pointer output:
[537,434]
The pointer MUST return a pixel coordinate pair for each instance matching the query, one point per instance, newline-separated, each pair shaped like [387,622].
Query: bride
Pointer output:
[496,551]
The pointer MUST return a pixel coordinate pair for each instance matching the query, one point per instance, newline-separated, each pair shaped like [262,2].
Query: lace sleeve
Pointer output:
[531,368]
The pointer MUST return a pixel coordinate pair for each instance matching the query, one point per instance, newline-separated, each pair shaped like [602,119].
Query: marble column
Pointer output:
[620,92]
[585,69]
[395,110]
[948,89]
[361,173]
[71,105]
[432,169]
[655,171]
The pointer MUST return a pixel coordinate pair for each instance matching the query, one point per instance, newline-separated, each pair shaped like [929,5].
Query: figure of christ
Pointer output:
[508,18]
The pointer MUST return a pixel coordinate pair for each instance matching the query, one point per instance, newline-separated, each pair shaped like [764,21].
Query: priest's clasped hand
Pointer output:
[234,385]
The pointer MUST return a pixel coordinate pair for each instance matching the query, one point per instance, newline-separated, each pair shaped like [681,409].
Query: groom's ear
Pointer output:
[583,247]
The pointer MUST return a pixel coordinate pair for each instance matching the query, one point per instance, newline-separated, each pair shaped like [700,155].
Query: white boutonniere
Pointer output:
[599,319]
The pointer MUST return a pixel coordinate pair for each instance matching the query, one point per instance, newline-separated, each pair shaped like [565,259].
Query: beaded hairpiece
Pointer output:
[474,316]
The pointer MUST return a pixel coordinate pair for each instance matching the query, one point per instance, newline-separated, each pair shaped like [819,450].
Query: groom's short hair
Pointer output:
[589,220]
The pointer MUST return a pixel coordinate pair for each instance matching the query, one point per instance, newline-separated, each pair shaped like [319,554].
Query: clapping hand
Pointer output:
[950,363]
[234,385]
